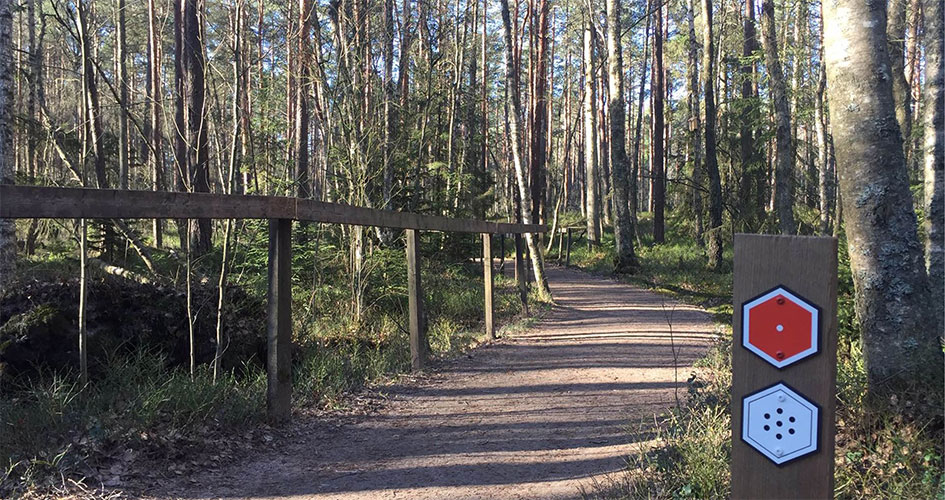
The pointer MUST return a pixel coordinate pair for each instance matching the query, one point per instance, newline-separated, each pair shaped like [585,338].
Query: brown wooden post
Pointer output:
[418,333]
[488,281]
[786,287]
[567,261]
[520,271]
[279,322]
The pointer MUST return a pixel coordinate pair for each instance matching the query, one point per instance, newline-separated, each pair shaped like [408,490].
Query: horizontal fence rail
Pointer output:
[29,202]
[39,202]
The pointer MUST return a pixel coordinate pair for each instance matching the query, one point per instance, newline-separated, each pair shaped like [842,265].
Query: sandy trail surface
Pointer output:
[541,414]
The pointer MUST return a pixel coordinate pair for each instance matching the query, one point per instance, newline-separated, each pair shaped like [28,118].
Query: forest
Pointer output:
[654,129]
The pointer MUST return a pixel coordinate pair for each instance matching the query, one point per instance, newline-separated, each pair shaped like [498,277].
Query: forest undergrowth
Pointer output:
[142,403]
[884,449]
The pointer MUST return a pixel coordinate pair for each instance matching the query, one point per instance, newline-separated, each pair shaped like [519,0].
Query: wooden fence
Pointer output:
[19,202]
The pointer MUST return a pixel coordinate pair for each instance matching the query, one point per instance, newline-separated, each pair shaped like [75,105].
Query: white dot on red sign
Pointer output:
[780,327]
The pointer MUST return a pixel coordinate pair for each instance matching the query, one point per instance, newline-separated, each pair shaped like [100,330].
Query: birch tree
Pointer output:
[590,135]
[934,164]
[886,258]
[516,144]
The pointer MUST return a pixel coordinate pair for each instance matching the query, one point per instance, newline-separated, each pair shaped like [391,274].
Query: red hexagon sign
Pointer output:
[780,327]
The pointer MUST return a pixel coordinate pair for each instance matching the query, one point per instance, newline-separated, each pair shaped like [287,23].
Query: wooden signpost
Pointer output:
[784,366]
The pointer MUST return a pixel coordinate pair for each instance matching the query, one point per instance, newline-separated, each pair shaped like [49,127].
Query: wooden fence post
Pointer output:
[418,331]
[520,271]
[784,366]
[488,281]
[279,322]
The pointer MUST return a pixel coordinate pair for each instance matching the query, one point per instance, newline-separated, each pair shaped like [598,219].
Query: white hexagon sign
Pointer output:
[780,423]
[780,327]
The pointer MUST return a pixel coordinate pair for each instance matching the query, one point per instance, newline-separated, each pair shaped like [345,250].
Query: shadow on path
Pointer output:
[538,415]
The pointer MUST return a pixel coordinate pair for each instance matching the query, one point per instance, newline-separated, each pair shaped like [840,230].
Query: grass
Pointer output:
[52,425]
[52,428]
[888,453]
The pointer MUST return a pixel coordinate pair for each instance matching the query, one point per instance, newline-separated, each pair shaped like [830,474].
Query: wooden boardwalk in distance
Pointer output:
[538,415]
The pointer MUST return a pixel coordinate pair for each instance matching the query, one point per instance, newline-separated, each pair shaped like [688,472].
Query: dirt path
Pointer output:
[540,415]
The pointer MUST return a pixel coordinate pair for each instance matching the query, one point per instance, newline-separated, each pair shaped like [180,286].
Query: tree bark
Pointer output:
[934,164]
[625,258]
[695,123]
[714,243]
[784,144]
[180,125]
[637,135]
[896,45]
[123,137]
[515,139]
[34,92]
[388,188]
[825,175]
[195,92]
[302,87]
[892,290]
[754,179]
[7,160]
[155,154]
[90,97]
[590,135]
[657,134]
[539,142]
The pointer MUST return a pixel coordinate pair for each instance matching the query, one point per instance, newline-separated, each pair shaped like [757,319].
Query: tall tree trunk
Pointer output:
[302,87]
[695,122]
[754,179]
[637,134]
[388,188]
[896,44]
[515,138]
[784,169]
[935,153]
[590,134]
[34,90]
[823,166]
[180,125]
[484,98]
[123,137]
[7,160]
[156,151]
[714,236]
[825,172]
[90,97]
[540,118]
[892,290]
[195,92]
[623,229]
[658,133]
